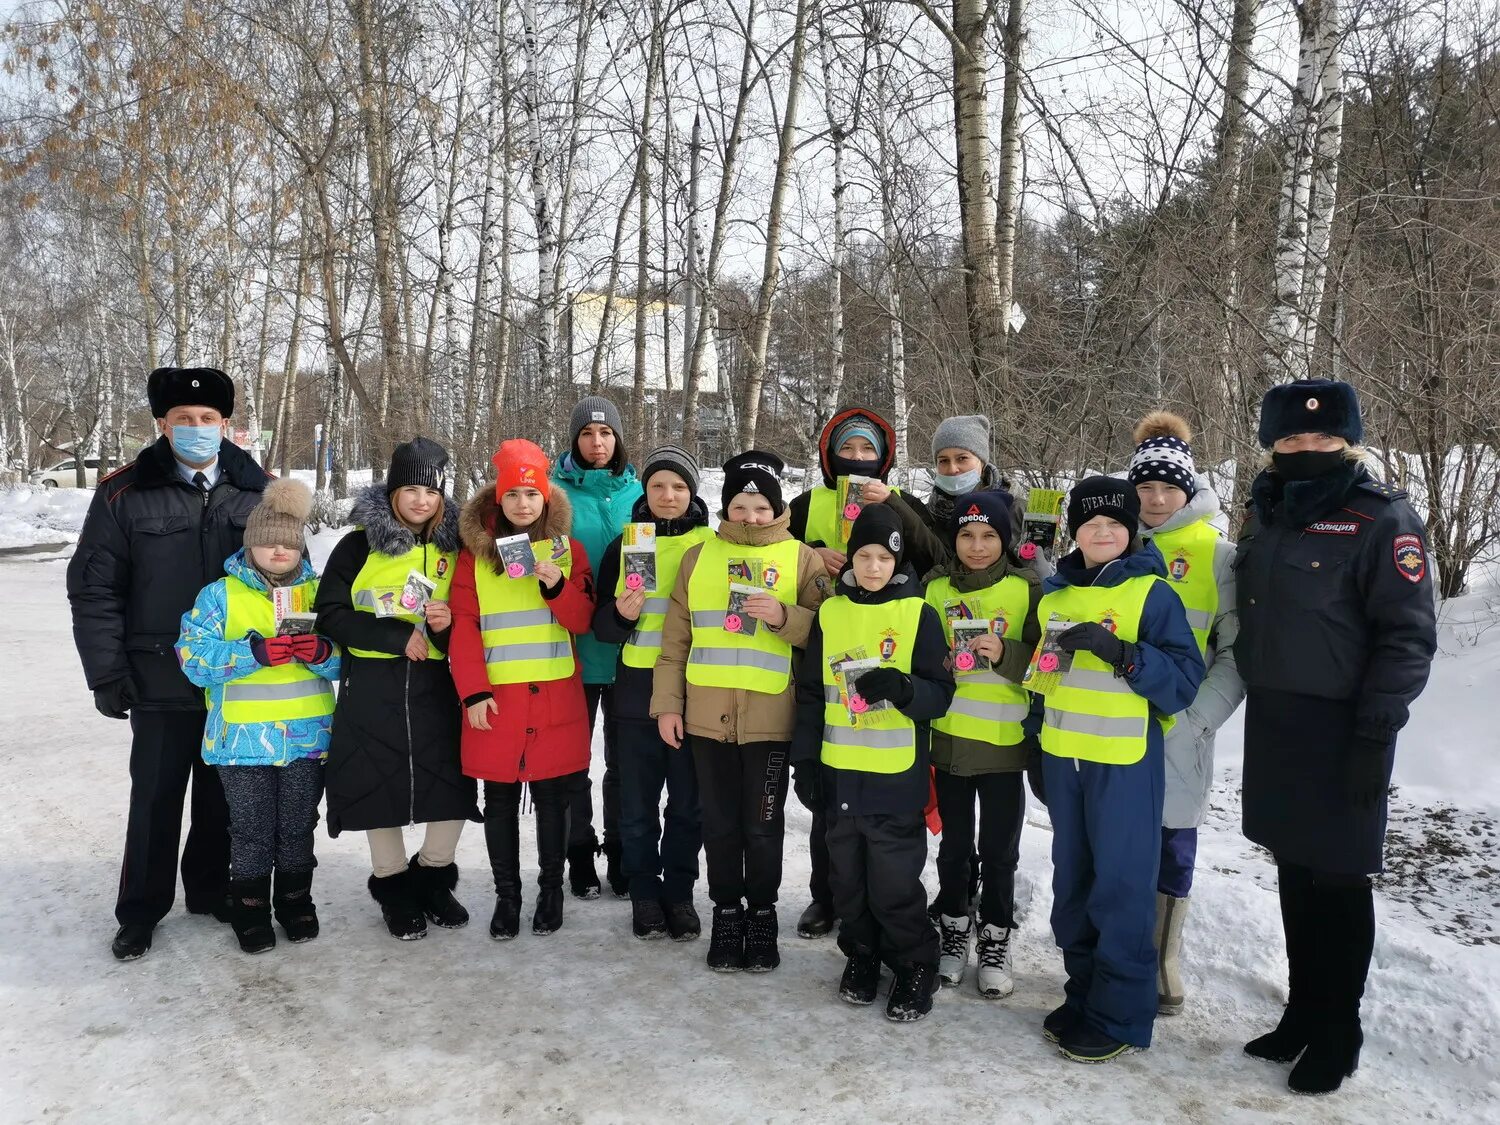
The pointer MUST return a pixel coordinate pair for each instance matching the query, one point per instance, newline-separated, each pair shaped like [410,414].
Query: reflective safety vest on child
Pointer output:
[760,661]
[881,740]
[281,693]
[523,641]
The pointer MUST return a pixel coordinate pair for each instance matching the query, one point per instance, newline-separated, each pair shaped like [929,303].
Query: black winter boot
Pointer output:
[816,920]
[1059,1022]
[293,905]
[252,914]
[682,921]
[761,954]
[1286,1042]
[647,920]
[1346,938]
[583,880]
[614,869]
[132,941]
[549,911]
[505,923]
[434,887]
[726,942]
[861,979]
[911,994]
[398,905]
[551,809]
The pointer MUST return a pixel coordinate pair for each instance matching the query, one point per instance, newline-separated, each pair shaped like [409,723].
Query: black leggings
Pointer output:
[1002,811]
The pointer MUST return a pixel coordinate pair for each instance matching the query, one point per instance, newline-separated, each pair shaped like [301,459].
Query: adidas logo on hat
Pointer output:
[750,486]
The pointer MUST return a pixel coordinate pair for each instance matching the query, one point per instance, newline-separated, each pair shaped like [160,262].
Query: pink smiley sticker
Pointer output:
[851,511]
[732,622]
[1028,551]
[634,581]
[515,570]
[964,662]
[857,704]
[1048,662]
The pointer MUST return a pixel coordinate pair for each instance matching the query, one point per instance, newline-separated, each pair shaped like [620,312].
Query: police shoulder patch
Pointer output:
[1382,489]
[1410,558]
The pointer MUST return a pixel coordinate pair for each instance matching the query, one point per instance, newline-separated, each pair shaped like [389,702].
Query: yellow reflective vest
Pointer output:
[1189,554]
[383,577]
[825,521]
[523,641]
[1093,714]
[986,706]
[882,741]
[643,645]
[268,695]
[761,661]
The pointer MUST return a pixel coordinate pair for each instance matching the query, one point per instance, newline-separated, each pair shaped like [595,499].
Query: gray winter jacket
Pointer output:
[1189,744]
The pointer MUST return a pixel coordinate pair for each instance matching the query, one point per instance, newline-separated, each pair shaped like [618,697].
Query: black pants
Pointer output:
[1329,920]
[660,853]
[273,811]
[808,786]
[876,865]
[502,831]
[581,793]
[166,749]
[743,791]
[1002,811]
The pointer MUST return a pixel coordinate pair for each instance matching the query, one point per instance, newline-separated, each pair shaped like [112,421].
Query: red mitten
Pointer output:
[272,651]
[311,648]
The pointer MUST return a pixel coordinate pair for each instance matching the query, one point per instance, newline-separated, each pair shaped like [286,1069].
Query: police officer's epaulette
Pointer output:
[1383,490]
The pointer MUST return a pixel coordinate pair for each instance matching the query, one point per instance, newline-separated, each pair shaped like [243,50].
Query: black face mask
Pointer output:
[849,467]
[1309,465]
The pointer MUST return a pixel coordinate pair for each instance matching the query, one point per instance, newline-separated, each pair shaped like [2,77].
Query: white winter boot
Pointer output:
[954,956]
[1170,915]
[995,980]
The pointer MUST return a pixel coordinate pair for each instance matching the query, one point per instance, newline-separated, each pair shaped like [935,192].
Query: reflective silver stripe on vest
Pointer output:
[901,738]
[708,618]
[741,658]
[830,694]
[1200,619]
[509,654]
[275,693]
[989,676]
[655,605]
[1094,680]
[1075,723]
[649,639]
[987,711]
[515,619]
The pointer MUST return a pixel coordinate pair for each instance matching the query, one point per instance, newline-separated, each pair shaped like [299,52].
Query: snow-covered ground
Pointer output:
[592,1025]
[31,517]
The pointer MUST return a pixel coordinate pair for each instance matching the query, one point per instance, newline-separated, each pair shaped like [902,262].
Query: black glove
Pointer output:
[1095,638]
[885,684]
[1367,771]
[115,699]
[1034,771]
[807,783]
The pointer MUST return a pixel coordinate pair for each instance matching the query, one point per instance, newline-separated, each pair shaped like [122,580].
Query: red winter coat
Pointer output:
[540,730]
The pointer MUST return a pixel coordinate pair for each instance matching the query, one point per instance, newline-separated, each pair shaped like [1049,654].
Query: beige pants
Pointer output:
[388,847]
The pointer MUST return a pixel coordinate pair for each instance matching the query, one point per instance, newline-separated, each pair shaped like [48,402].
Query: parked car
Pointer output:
[64,474]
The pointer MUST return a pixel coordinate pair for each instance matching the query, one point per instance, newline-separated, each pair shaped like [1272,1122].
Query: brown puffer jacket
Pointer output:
[724,714]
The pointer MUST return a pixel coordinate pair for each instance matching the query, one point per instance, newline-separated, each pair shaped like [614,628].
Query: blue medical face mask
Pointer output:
[196,444]
[959,484]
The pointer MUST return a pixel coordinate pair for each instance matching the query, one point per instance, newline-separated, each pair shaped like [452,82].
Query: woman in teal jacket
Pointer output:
[597,476]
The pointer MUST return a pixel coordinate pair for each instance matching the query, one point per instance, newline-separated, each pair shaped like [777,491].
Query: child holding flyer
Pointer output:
[636,577]
[1125,662]
[723,685]
[522,591]
[871,679]
[270,708]
[987,599]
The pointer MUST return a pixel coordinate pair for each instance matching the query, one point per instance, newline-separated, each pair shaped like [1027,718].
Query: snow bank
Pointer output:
[30,515]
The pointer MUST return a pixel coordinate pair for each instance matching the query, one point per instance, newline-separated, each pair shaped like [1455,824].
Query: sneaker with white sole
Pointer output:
[953,957]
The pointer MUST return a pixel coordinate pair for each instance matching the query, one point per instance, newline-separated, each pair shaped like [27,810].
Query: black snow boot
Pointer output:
[1085,1044]
[682,921]
[726,942]
[505,923]
[252,914]
[816,920]
[548,917]
[1295,891]
[911,994]
[551,847]
[1346,938]
[398,905]
[647,920]
[434,887]
[1059,1022]
[861,979]
[583,880]
[132,941]
[614,869]
[220,906]
[293,905]
[761,954]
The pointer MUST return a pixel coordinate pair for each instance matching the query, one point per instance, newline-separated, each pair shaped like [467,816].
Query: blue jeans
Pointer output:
[659,854]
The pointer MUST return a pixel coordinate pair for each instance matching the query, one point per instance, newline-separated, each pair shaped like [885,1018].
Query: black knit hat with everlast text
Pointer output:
[757,472]
[420,461]
[1104,496]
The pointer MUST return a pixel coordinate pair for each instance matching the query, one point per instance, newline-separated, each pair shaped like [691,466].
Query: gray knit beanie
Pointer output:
[966,431]
[595,408]
[278,519]
[673,458]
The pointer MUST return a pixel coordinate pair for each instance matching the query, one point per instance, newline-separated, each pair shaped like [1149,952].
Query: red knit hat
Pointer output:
[520,463]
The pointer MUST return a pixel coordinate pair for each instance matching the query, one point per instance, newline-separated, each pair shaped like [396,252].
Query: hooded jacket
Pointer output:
[856,792]
[393,759]
[538,730]
[1189,747]
[210,660]
[601,504]
[724,714]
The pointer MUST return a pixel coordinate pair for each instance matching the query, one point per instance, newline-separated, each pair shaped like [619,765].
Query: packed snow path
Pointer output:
[592,1025]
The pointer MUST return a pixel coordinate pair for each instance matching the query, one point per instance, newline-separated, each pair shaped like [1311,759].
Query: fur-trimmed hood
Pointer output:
[387,535]
[482,521]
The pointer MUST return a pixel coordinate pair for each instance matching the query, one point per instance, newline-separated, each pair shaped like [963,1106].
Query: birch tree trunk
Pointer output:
[541,200]
[643,231]
[826,396]
[1007,207]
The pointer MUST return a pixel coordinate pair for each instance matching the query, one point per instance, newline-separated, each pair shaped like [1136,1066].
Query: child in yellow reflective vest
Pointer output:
[270,708]
[987,600]
[872,677]
[723,687]
[1124,661]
